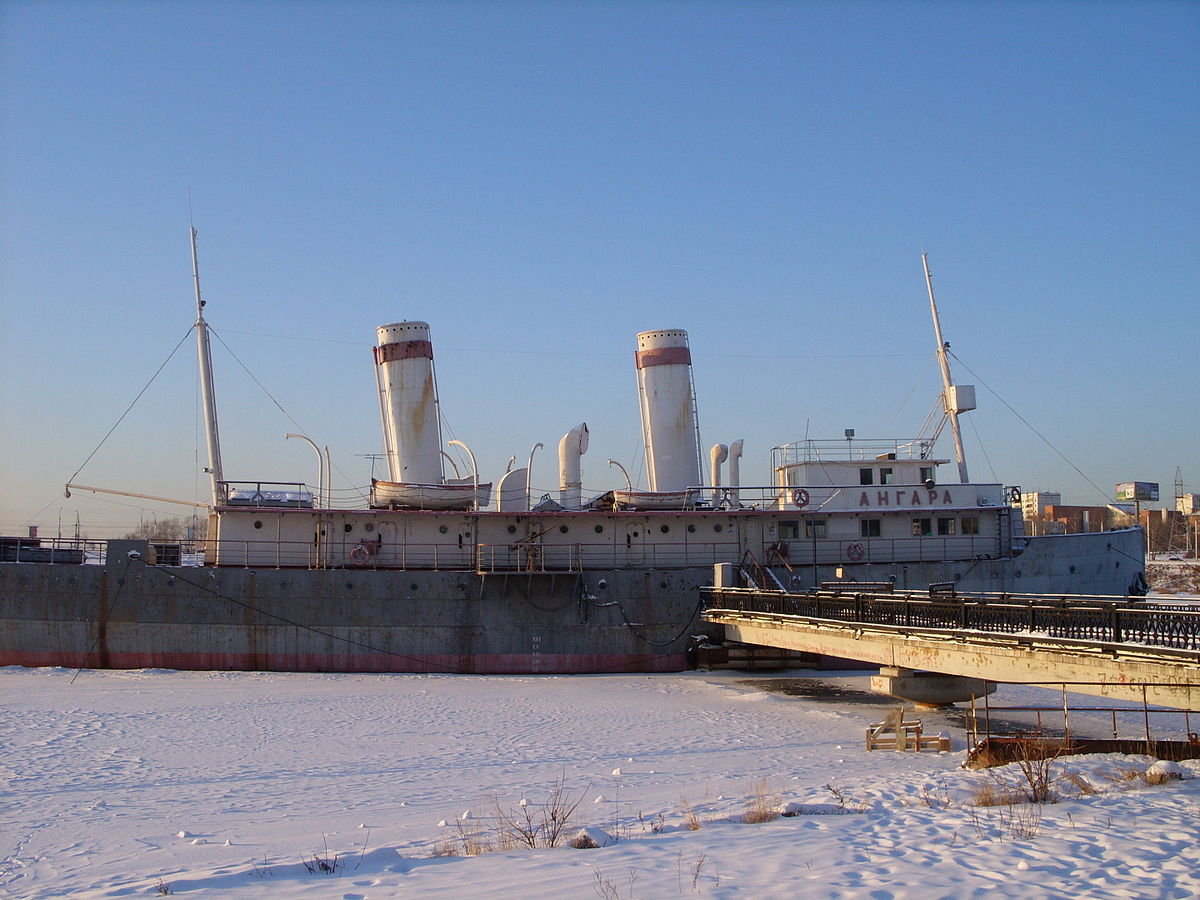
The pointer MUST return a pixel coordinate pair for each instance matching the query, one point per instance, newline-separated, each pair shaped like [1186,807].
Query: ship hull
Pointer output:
[126,614]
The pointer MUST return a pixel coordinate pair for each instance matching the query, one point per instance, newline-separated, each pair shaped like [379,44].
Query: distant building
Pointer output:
[1034,503]
[1188,504]
[1079,519]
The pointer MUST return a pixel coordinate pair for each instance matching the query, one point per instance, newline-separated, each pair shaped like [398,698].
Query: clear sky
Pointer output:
[541,181]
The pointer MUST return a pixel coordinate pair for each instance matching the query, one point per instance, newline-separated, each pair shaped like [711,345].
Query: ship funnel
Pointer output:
[570,468]
[668,406]
[408,403]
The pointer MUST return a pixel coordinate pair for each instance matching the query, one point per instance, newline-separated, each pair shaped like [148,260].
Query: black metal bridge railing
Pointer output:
[1077,618]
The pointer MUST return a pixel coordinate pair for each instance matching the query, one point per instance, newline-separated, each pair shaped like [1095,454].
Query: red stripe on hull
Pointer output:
[488,664]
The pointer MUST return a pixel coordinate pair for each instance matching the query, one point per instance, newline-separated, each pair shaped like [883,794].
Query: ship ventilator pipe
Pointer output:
[570,467]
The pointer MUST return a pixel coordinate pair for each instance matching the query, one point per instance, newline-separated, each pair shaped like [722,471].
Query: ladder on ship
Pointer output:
[1004,532]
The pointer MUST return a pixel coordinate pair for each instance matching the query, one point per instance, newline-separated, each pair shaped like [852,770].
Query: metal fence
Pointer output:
[1094,619]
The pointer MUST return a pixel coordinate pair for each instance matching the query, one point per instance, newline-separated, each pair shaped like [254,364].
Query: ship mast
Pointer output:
[949,395]
[206,385]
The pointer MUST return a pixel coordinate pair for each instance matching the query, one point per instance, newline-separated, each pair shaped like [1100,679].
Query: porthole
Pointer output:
[347,528]
[691,529]
[563,529]
[443,529]
[716,528]
[413,586]
[1071,569]
[349,585]
[369,527]
[664,528]
[512,529]
[258,523]
[599,529]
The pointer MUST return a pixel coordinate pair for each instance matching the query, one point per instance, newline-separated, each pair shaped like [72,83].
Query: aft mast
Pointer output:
[206,385]
[952,402]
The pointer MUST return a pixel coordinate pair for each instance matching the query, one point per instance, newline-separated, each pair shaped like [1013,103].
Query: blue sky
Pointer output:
[541,181]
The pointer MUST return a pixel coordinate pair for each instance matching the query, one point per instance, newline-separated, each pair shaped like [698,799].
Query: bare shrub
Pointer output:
[696,867]
[608,890]
[472,842]
[541,826]
[1034,760]
[1022,820]
[326,865]
[938,800]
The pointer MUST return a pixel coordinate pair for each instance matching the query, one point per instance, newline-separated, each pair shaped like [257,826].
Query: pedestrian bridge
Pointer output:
[1107,647]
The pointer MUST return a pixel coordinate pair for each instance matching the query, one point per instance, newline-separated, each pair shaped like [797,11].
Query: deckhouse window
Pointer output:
[866,476]
[789,530]
[886,476]
[814,528]
[868,528]
[946,526]
[970,524]
[922,527]
[926,474]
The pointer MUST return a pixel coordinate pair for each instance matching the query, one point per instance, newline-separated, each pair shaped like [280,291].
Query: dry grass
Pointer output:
[1081,784]
[993,793]
[691,821]
[761,804]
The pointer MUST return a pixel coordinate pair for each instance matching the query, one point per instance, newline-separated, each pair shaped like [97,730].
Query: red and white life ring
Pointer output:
[800,497]
[359,555]
[856,551]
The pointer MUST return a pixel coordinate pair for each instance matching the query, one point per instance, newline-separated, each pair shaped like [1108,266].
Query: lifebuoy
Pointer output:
[359,555]
[800,497]
[856,551]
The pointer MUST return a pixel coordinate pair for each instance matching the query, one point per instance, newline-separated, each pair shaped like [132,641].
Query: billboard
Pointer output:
[1137,491]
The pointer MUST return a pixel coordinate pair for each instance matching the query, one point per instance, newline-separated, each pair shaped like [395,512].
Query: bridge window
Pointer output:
[926,474]
[970,524]
[866,476]
[868,528]
[789,530]
[946,526]
[814,528]
[886,476]
[922,527]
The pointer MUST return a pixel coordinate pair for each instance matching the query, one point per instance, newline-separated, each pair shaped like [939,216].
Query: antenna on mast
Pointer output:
[207,393]
[955,398]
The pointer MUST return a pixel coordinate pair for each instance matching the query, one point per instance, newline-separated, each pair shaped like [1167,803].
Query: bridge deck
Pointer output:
[1109,647]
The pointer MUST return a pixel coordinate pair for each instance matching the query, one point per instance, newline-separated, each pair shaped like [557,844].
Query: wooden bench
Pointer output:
[896,733]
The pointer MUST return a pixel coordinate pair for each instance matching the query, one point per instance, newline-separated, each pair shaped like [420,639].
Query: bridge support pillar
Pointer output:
[928,688]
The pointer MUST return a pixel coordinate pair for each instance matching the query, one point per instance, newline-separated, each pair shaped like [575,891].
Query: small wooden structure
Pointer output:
[897,733]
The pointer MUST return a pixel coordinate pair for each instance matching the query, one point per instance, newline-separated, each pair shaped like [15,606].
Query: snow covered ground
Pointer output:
[142,783]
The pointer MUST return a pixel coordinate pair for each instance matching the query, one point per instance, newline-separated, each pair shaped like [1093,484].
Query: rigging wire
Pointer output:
[983,450]
[300,428]
[131,405]
[1029,425]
